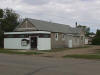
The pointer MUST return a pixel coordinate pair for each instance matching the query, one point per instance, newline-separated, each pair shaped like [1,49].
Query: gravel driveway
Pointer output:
[88,50]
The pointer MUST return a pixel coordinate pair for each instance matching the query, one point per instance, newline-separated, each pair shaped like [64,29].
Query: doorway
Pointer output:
[33,42]
[70,43]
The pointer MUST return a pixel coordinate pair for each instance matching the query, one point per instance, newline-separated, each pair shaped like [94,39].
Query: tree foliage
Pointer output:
[96,39]
[8,22]
[1,32]
[1,13]
[85,29]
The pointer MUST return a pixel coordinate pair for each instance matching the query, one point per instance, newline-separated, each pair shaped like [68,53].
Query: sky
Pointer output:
[85,12]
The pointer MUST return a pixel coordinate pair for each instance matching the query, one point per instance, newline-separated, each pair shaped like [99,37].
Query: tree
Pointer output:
[96,39]
[85,29]
[8,23]
[10,20]
[1,32]
[1,13]
[1,16]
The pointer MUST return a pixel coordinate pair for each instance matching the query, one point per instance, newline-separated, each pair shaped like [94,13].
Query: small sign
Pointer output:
[24,42]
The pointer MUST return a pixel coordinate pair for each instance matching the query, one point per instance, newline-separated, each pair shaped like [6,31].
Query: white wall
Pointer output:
[15,43]
[70,44]
[44,44]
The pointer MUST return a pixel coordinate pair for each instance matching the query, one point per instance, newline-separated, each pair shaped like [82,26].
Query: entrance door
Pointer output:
[33,42]
[70,43]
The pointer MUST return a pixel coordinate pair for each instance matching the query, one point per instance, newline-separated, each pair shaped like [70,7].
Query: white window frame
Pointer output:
[63,36]
[56,36]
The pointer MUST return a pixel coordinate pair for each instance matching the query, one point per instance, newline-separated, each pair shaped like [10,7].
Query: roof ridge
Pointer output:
[49,22]
[53,27]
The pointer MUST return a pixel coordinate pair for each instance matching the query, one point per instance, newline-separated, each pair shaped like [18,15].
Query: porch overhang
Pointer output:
[32,32]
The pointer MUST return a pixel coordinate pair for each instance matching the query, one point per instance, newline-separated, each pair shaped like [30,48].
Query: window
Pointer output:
[21,36]
[63,36]
[15,36]
[81,37]
[56,36]
[44,35]
[9,36]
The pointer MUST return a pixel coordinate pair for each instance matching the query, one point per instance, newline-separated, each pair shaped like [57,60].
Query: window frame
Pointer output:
[63,36]
[56,36]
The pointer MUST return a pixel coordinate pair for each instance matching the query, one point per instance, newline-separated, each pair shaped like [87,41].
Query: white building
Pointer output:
[43,35]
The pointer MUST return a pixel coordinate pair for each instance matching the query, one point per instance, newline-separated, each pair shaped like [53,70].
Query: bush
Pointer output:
[96,39]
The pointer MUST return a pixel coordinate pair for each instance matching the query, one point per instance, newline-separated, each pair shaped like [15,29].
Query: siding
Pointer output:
[15,43]
[77,41]
[57,43]
[26,27]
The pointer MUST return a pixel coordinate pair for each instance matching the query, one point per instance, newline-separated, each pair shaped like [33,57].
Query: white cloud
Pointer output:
[86,12]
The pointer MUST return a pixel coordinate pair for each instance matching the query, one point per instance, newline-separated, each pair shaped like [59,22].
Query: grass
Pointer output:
[36,52]
[62,49]
[97,51]
[83,56]
[18,52]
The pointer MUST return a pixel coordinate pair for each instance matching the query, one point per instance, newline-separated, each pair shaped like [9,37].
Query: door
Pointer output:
[33,42]
[70,43]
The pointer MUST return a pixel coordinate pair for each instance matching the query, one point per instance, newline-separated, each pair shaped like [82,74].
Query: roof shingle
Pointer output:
[53,27]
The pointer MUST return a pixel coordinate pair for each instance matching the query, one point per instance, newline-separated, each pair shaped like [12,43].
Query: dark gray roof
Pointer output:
[53,27]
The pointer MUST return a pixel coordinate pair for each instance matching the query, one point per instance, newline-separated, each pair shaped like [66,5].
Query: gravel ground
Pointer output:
[88,50]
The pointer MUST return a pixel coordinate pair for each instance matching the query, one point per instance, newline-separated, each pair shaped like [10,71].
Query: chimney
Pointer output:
[76,24]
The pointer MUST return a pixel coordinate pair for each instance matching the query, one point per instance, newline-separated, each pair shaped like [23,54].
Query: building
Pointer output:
[43,35]
[90,38]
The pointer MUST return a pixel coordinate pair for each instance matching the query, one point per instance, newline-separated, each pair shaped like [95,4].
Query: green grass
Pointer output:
[97,51]
[18,52]
[83,56]
[62,49]
[36,52]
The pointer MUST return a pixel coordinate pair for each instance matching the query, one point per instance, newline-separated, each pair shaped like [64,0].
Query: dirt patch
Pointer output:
[89,50]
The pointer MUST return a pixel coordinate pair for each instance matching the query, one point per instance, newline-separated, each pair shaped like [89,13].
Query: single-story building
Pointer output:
[86,40]
[90,38]
[43,35]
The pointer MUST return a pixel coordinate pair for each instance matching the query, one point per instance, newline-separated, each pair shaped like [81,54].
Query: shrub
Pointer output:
[96,39]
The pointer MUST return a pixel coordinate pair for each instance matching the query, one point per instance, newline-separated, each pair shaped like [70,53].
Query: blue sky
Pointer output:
[85,12]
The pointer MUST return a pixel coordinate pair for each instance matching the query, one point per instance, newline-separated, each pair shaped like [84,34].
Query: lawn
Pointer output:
[63,49]
[19,52]
[83,56]
[95,55]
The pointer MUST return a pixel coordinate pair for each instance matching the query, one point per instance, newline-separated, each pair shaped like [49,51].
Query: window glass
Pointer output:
[81,37]
[63,36]
[44,35]
[56,36]
[14,36]
[26,35]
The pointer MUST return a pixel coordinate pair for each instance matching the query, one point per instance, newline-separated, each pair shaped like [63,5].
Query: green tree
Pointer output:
[8,23]
[96,39]
[85,29]
[10,20]
[1,32]
[1,13]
